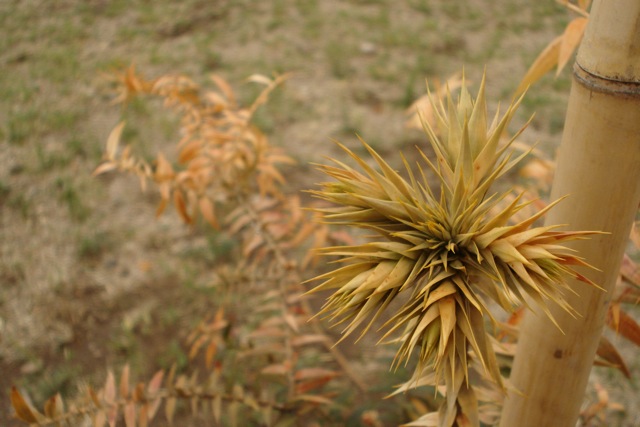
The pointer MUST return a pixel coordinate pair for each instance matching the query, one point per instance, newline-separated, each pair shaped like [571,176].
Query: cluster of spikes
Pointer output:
[448,248]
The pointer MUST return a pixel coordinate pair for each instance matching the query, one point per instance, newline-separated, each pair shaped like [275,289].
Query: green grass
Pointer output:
[71,197]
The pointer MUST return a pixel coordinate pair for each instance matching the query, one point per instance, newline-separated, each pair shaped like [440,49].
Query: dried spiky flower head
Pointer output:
[450,253]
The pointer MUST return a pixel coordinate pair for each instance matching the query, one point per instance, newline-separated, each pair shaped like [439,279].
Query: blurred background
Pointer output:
[88,280]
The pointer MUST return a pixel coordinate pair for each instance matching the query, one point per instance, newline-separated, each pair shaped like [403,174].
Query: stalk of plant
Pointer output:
[599,164]
[449,246]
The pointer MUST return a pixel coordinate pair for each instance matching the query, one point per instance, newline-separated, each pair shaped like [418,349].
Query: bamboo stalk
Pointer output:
[599,166]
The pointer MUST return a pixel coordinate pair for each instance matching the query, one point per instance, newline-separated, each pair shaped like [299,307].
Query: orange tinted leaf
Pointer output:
[130,415]
[570,41]
[189,151]
[308,339]
[314,399]
[110,388]
[629,328]
[54,406]
[216,408]
[584,4]
[610,355]
[630,271]
[105,167]
[307,373]
[94,397]
[164,170]
[170,409]
[155,383]
[195,347]
[224,87]
[254,243]
[259,78]
[143,417]
[431,419]
[124,382]
[181,207]
[152,389]
[539,170]
[635,234]
[24,411]
[547,59]
[276,369]
[114,140]
[208,212]
[99,419]
[210,354]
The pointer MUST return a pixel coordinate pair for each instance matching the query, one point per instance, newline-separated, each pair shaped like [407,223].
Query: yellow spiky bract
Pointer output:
[450,253]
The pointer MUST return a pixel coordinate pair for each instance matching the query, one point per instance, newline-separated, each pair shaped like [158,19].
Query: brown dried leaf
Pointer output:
[210,354]
[216,408]
[143,417]
[189,151]
[224,87]
[584,4]
[110,389]
[275,369]
[195,347]
[570,41]
[292,322]
[260,78]
[610,355]
[601,405]
[635,234]
[94,397]
[170,409]
[54,406]
[314,399]
[431,419]
[208,212]
[130,414]
[99,419]
[547,59]
[181,207]
[24,410]
[253,243]
[152,389]
[105,167]
[162,205]
[302,340]
[629,328]
[164,170]
[194,401]
[307,386]
[113,141]
[124,382]
[307,373]
[630,271]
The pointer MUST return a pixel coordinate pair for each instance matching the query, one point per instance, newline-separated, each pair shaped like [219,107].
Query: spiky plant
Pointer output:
[451,249]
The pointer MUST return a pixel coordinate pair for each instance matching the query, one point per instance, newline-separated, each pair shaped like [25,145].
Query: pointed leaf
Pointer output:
[130,415]
[24,410]
[170,409]
[99,419]
[610,354]
[114,140]
[570,40]
[124,382]
[547,59]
